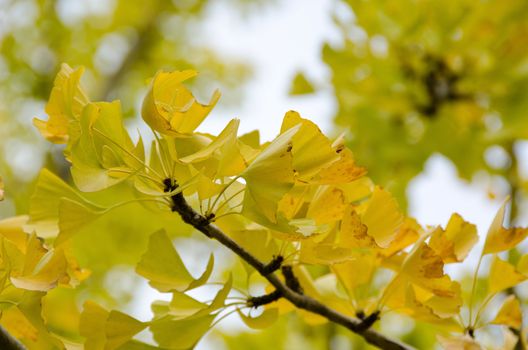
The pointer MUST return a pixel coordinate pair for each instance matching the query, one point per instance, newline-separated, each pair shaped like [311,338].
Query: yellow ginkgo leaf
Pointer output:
[73,216]
[264,320]
[228,134]
[343,170]
[327,205]
[51,270]
[65,104]
[356,272]
[170,108]
[503,275]
[120,328]
[409,232]
[442,306]
[293,201]
[226,150]
[404,297]
[269,177]
[183,306]
[107,330]
[92,325]
[324,253]
[454,243]
[500,238]
[382,217]
[464,342]
[312,151]
[425,268]
[165,270]
[103,154]
[354,233]
[43,269]
[12,230]
[16,323]
[188,331]
[258,242]
[44,206]
[510,313]
[522,265]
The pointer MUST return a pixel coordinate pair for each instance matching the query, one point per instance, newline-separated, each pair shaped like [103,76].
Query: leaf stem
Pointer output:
[129,153]
[473,290]
[211,208]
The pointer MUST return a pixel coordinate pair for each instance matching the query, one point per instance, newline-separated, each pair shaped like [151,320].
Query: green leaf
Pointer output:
[300,85]
[102,148]
[120,328]
[164,269]
[180,334]
[106,330]
[264,320]
[184,306]
[73,216]
[45,202]
[269,177]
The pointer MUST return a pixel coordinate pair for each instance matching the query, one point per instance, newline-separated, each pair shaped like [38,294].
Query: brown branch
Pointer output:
[264,299]
[305,302]
[291,281]
[8,342]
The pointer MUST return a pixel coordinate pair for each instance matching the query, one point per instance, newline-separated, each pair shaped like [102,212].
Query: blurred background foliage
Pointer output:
[121,43]
[411,78]
[415,77]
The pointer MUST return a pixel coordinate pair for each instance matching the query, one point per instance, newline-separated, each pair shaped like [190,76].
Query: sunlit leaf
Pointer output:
[311,150]
[103,155]
[503,275]
[382,217]
[509,314]
[107,330]
[12,230]
[354,233]
[163,267]
[180,334]
[45,202]
[269,177]
[327,205]
[170,108]
[425,268]
[500,238]
[459,343]
[66,102]
[264,320]
[454,243]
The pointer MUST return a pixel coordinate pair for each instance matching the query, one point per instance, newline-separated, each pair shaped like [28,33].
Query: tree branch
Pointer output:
[8,342]
[198,221]
[264,299]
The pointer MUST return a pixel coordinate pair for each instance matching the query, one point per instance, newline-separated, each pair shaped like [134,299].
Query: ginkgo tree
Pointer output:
[297,212]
